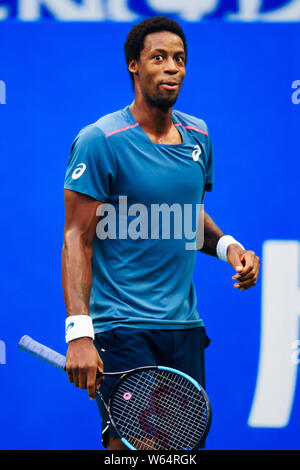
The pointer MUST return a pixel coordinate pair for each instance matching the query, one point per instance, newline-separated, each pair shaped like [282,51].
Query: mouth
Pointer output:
[169,85]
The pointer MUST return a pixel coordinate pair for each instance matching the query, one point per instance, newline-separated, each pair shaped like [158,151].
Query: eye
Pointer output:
[158,57]
[180,59]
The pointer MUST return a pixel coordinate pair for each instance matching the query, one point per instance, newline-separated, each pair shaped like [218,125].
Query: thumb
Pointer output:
[238,267]
[236,262]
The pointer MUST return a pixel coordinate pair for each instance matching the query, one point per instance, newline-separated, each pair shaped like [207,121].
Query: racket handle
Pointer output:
[43,352]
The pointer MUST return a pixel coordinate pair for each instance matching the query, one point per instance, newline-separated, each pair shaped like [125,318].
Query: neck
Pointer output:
[154,120]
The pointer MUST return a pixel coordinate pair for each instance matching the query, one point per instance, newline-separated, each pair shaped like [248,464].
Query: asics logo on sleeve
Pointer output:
[70,325]
[196,153]
[78,171]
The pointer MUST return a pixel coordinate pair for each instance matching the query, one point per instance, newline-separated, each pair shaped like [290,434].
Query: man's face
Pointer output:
[161,69]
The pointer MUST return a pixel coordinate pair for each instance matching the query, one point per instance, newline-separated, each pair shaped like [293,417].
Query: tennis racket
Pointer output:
[152,407]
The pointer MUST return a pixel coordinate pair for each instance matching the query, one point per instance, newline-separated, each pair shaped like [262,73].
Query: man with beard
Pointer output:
[131,300]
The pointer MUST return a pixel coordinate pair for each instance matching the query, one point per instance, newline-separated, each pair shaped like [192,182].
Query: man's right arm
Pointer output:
[83,361]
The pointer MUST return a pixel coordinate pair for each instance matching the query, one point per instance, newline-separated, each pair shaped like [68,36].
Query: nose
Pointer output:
[171,66]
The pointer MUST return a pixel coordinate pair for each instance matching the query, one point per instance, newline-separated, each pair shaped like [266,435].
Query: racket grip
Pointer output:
[42,352]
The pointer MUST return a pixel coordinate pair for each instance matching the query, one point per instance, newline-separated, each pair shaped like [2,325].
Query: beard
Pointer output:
[160,101]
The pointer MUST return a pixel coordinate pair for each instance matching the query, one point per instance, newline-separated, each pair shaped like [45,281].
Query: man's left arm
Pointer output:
[245,262]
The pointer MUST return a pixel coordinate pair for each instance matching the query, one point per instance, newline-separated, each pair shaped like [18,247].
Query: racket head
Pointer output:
[159,408]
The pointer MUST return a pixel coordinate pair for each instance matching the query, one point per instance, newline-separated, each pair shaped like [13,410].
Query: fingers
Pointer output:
[99,378]
[70,375]
[77,375]
[85,377]
[94,381]
[91,383]
[247,277]
[242,272]
[83,363]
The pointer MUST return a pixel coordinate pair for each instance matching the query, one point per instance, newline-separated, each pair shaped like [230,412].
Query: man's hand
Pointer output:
[246,263]
[83,364]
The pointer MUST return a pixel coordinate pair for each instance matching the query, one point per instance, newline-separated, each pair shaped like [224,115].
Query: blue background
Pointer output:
[60,77]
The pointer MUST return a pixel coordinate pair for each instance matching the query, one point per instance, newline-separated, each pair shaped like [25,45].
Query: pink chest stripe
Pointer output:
[192,128]
[122,129]
[195,129]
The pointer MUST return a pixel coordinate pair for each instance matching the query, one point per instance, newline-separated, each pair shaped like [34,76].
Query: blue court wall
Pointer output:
[241,79]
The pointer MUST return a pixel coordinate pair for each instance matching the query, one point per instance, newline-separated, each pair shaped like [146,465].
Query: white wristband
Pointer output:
[78,326]
[223,245]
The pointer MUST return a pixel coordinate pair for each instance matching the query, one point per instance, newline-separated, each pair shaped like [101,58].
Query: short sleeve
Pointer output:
[91,167]
[209,179]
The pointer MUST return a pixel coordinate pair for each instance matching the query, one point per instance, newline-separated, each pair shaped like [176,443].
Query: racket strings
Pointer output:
[172,408]
[158,409]
[196,415]
[163,428]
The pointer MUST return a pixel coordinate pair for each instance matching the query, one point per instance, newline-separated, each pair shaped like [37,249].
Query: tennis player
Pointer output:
[129,296]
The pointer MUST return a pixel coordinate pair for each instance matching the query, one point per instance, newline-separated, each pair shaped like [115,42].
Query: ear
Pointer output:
[133,67]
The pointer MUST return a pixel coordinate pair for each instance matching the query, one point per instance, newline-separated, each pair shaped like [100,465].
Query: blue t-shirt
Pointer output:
[142,269]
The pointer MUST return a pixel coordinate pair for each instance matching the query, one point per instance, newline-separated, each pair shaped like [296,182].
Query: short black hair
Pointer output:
[135,39]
